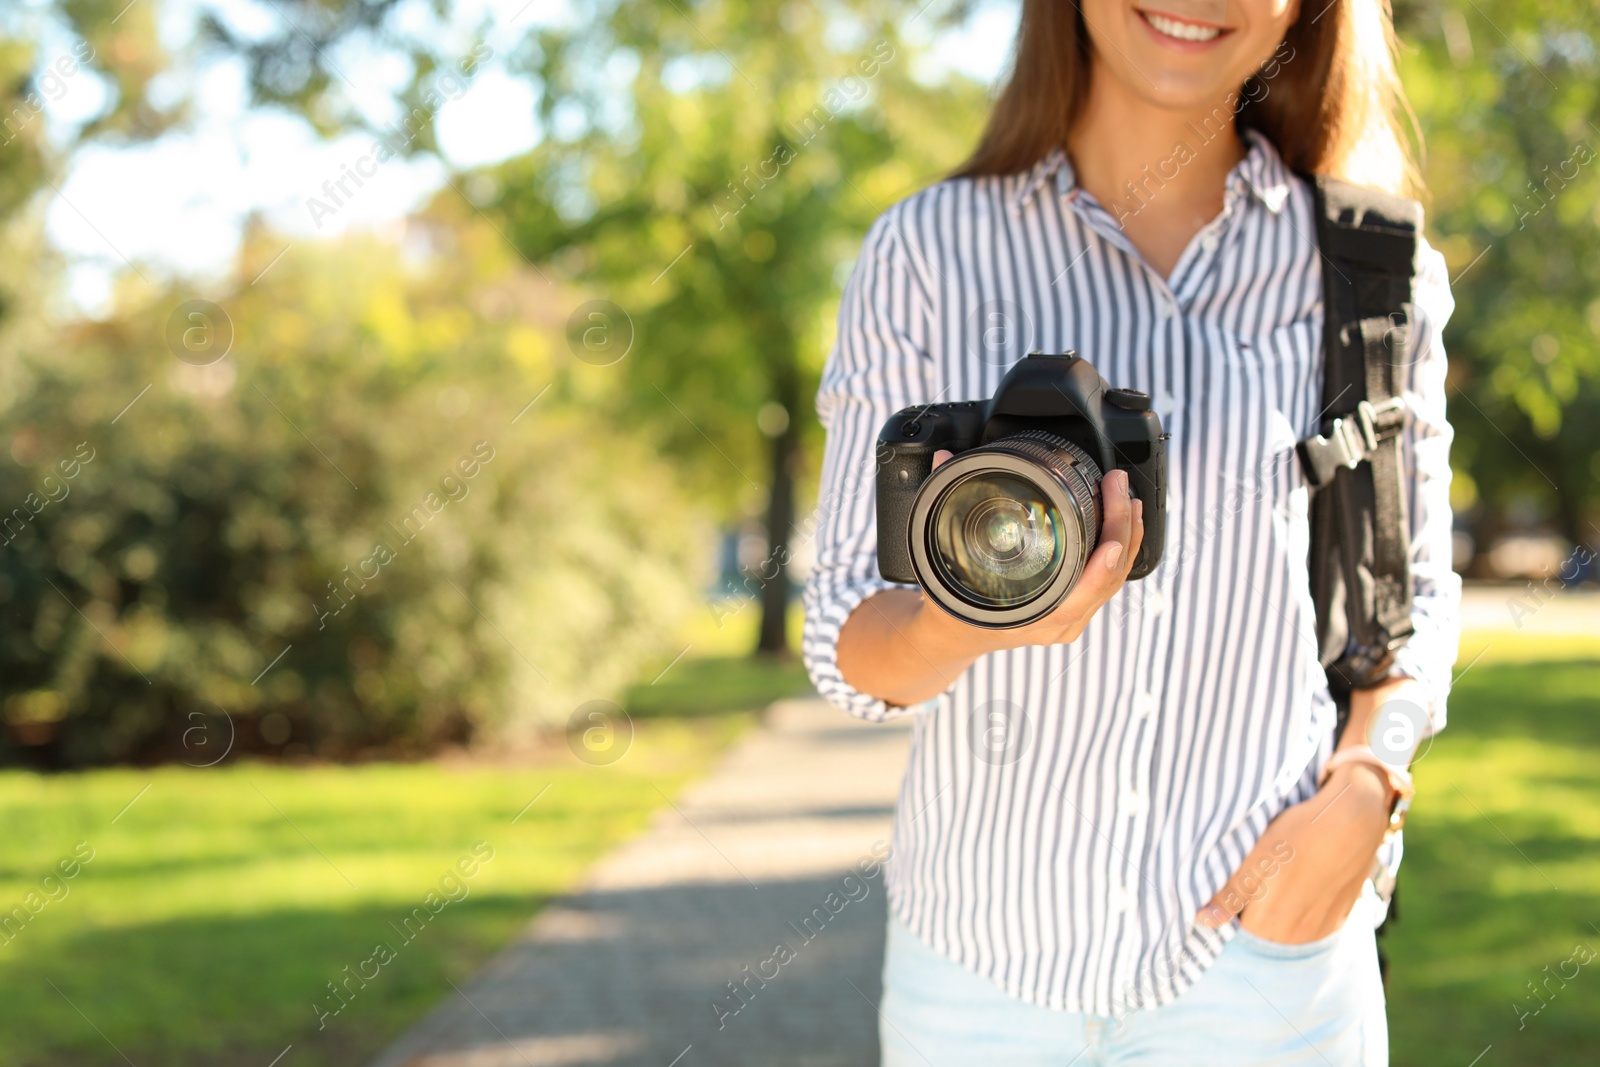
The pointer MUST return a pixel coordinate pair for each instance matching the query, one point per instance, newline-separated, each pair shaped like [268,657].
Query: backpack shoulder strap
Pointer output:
[1360,544]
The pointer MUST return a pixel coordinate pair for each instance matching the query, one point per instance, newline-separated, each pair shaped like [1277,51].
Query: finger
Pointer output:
[1138,534]
[940,456]
[1108,565]
[1223,908]
[1231,899]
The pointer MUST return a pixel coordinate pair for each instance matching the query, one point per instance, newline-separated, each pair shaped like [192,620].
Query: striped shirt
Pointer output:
[1067,809]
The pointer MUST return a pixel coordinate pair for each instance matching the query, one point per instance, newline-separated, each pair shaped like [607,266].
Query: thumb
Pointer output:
[1225,906]
[941,456]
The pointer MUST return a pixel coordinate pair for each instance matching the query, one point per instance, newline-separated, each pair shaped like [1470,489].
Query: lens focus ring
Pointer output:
[1001,533]
[1083,483]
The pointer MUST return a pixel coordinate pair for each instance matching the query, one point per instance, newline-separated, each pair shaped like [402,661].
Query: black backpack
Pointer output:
[1360,536]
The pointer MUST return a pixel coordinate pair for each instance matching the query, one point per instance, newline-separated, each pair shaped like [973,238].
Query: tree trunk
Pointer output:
[774,574]
[1485,528]
[1571,510]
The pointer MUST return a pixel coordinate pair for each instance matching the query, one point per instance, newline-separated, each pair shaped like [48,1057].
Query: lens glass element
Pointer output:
[997,538]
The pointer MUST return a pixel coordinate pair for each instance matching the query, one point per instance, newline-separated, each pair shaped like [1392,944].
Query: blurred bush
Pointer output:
[359,485]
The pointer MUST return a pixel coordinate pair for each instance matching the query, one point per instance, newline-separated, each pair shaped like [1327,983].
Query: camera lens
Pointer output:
[1000,533]
[999,537]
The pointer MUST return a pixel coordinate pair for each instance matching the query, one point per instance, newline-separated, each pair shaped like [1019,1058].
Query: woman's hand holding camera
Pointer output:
[1121,534]
[902,648]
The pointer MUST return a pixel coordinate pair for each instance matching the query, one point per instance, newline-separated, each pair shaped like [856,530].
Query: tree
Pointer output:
[1509,103]
[125,51]
[126,54]
[712,193]
[708,170]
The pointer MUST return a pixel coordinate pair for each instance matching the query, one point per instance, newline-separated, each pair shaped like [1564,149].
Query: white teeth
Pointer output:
[1184,31]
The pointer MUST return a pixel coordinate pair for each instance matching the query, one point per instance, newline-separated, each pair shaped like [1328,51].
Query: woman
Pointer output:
[1115,842]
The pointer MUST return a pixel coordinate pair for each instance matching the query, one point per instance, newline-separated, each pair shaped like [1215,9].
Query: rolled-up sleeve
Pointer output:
[879,364]
[1430,654]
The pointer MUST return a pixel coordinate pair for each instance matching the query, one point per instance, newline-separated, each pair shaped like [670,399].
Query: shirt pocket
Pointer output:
[1294,344]
[1244,474]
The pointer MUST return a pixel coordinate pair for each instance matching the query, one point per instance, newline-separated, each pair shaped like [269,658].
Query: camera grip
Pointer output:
[902,468]
[1149,483]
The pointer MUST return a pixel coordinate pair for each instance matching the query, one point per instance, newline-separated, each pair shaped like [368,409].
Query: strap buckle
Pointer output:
[1350,439]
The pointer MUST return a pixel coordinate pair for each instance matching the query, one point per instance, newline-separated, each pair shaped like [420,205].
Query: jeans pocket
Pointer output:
[1260,946]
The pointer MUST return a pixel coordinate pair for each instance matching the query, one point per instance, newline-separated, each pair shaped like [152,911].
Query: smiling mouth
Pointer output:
[1180,30]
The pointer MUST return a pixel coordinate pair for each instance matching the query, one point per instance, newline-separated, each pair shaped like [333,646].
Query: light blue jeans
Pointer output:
[1261,1004]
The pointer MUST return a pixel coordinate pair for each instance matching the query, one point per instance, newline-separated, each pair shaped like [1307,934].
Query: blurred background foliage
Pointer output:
[761,163]
[403,535]
[189,550]
[706,171]
[1508,99]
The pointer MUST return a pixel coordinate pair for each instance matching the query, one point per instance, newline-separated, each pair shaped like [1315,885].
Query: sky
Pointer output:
[177,205]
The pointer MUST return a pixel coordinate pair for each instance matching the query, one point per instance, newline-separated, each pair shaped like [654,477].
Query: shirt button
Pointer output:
[1155,601]
[1165,405]
[1209,242]
[1120,899]
[1135,802]
[1144,704]
[1163,309]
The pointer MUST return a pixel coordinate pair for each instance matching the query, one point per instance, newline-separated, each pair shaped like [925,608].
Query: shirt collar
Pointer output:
[1034,179]
[1262,172]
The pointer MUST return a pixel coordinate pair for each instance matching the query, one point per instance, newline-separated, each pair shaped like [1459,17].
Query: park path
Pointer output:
[1540,610]
[626,970]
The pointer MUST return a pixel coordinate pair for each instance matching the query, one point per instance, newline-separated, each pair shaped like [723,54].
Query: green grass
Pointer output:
[717,673]
[711,686]
[217,907]
[1502,869]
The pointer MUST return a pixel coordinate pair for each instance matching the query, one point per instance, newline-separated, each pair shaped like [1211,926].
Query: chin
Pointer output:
[1183,91]
[1181,64]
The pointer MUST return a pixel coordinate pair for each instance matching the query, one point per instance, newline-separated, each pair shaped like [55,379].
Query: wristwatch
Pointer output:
[1399,781]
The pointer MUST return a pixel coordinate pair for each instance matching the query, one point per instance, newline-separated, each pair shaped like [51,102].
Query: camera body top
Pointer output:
[1060,394]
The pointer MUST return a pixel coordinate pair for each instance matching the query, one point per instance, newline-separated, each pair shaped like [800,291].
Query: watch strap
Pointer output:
[1400,782]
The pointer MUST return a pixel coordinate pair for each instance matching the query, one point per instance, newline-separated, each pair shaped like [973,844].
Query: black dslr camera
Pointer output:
[1000,533]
